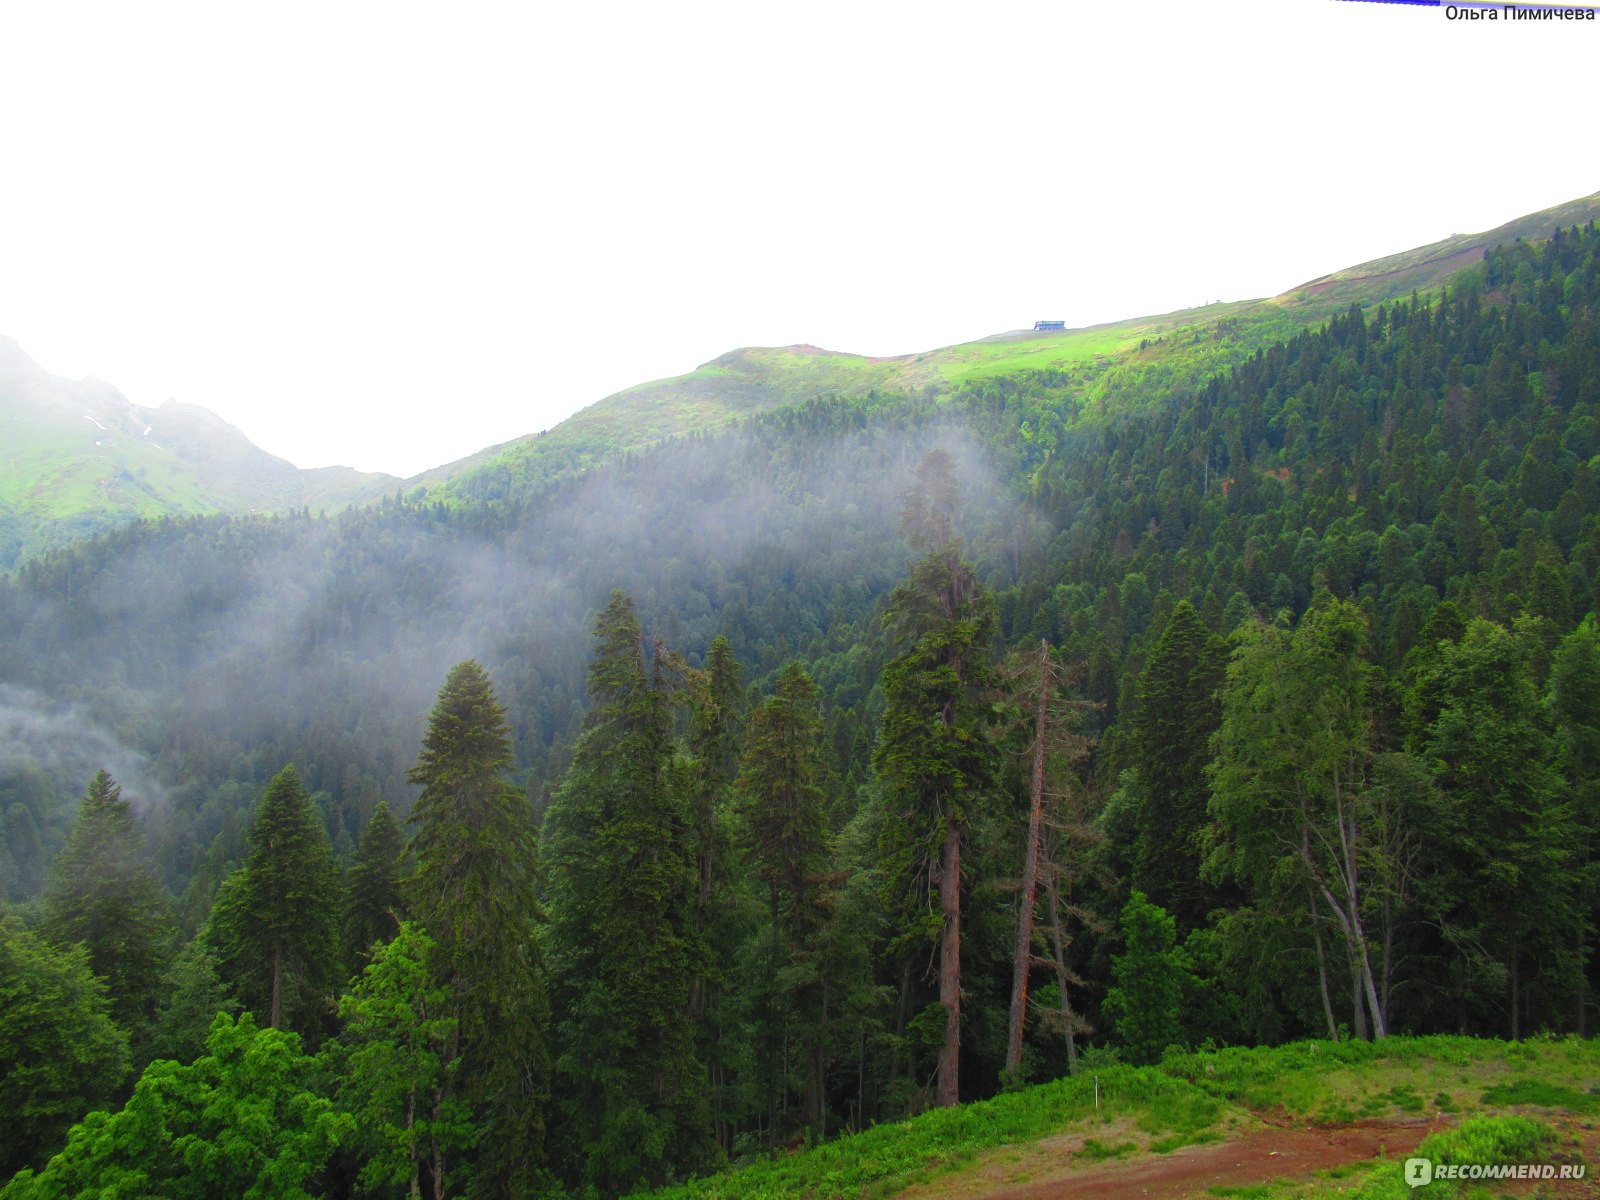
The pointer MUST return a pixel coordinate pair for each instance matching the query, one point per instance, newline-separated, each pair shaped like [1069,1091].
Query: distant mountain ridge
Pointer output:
[76,457]
[758,379]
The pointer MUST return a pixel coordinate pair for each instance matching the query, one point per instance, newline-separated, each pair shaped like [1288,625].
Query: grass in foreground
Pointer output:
[1485,1141]
[1198,1097]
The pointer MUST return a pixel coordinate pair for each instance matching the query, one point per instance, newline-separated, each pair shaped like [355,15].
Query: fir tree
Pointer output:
[1575,707]
[373,908]
[624,948]
[274,926]
[932,757]
[1506,882]
[1175,713]
[103,897]
[473,891]
[714,735]
[780,800]
[192,994]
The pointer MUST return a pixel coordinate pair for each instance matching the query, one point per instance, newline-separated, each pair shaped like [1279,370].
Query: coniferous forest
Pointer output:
[880,754]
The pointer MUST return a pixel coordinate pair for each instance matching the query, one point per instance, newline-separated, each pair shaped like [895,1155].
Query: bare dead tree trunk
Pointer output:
[822,1062]
[1347,911]
[1022,955]
[861,1083]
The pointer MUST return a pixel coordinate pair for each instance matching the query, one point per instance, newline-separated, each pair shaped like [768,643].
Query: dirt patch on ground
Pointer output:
[1046,1171]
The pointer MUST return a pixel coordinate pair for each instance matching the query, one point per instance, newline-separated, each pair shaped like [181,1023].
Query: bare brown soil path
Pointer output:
[1259,1156]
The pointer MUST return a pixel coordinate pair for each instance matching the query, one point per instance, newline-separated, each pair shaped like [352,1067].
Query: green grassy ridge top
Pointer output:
[1182,1100]
[77,457]
[758,379]
[1427,266]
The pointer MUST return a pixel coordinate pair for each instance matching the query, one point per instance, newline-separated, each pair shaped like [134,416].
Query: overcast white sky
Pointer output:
[389,234]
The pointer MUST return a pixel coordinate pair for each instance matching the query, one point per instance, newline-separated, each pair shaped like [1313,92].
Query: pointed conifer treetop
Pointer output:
[101,844]
[103,839]
[473,891]
[625,949]
[467,737]
[374,908]
[780,797]
[289,896]
[103,896]
[473,848]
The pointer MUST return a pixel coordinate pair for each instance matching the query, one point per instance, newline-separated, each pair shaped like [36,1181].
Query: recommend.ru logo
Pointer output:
[1422,1171]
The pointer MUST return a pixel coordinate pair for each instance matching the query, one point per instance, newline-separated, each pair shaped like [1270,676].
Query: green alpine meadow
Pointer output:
[1162,755]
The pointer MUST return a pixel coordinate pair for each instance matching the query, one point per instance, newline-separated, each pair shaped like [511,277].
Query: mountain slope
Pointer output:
[759,379]
[1429,473]
[79,458]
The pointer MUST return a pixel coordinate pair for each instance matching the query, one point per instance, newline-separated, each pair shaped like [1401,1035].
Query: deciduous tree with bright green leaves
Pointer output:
[400,1036]
[1293,810]
[60,1053]
[242,1121]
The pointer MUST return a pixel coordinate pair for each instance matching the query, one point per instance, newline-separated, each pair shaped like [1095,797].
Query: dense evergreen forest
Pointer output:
[883,753]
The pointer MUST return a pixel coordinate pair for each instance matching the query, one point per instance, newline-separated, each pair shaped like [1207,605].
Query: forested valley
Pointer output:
[884,753]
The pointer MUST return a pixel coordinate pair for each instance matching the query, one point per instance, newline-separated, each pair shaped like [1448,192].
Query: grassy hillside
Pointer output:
[79,458]
[1052,1136]
[758,379]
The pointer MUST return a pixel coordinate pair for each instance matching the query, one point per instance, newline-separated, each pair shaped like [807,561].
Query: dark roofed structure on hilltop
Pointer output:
[1049,326]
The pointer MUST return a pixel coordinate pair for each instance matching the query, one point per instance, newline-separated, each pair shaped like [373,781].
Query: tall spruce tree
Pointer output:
[1503,890]
[624,948]
[374,908]
[714,747]
[1574,702]
[1175,713]
[780,799]
[473,890]
[714,735]
[932,757]
[274,927]
[103,896]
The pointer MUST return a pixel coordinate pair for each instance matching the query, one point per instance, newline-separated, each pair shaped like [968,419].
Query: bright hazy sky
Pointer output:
[389,234]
